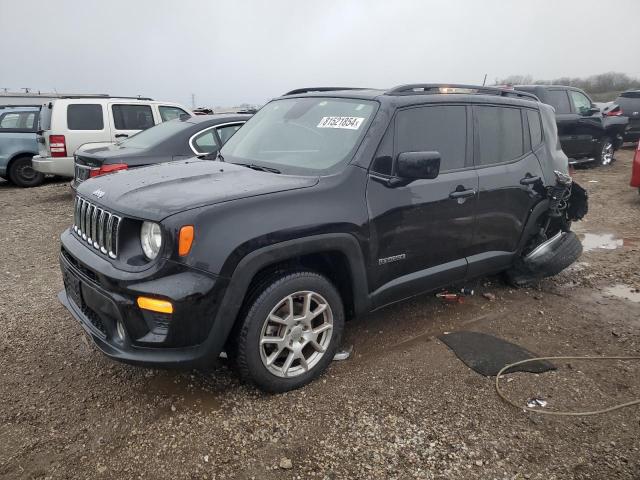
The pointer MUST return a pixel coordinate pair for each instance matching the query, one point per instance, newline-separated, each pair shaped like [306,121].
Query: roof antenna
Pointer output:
[484,82]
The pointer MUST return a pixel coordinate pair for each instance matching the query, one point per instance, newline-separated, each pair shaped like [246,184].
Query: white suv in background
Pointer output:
[67,124]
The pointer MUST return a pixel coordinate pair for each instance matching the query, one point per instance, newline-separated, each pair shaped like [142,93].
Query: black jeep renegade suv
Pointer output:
[328,203]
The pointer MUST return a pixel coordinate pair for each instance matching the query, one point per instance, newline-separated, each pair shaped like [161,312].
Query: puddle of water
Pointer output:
[183,393]
[604,241]
[623,291]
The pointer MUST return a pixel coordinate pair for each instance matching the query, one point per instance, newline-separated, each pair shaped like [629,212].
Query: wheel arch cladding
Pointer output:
[314,251]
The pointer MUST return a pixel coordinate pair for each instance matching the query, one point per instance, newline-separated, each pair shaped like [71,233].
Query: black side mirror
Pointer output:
[417,165]
[587,112]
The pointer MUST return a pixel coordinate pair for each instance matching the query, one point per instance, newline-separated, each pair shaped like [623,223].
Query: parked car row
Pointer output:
[588,133]
[325,205]
[68,124]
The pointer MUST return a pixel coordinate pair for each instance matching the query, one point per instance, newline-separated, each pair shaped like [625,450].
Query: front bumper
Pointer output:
[101,298]
[61,166]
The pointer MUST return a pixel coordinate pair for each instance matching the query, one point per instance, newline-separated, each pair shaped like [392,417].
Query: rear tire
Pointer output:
[523,274]
[290,331]
[22,174]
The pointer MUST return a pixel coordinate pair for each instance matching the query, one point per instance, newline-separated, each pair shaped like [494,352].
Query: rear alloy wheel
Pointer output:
[290,332]
[22,174]
[606,154]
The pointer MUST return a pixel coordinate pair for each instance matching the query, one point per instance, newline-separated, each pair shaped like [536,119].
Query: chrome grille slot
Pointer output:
[99,227]
[94,227]
[83,218]
[88,222]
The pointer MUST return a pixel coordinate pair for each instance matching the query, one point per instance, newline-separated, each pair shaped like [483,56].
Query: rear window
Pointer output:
[155,135]
[629,103]
[84,116]
[500,134]
[132,117]
[559,100]
[535,127]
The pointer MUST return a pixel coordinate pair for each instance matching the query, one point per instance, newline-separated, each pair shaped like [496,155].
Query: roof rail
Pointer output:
[298,91]
[436,88]
[101,95]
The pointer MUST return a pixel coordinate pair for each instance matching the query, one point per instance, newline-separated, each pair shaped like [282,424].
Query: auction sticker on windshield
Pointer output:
[350,123]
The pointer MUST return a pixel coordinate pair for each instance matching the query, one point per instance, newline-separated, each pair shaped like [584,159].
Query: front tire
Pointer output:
[22,174]
[566,252]
[290,331]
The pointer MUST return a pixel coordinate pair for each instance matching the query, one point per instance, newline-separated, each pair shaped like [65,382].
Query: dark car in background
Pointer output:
[629,103]
[586,134]
[173,140]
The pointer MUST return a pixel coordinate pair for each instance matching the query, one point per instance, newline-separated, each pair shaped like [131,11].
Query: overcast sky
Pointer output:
[228,52]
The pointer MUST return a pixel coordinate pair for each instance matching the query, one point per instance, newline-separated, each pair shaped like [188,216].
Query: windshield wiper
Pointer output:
[259,167]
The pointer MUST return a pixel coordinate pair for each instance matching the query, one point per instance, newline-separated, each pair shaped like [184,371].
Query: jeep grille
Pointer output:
[97,226]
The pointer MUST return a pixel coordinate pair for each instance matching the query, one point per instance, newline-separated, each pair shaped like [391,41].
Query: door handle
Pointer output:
[462,193]
[121,135]
[529,180]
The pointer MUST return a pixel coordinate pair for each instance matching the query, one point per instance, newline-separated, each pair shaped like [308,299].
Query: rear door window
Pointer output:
[170,113]
[205,142]
[499,133]
[18,120]
[535,127]
[226,132]
[132,117]
[440,129]
[85,116]
[559,100]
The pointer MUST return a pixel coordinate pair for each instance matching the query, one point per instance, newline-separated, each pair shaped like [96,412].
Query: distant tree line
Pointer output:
[602,87]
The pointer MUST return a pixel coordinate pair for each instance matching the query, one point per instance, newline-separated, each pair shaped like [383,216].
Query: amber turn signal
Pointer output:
[155,305]
[185,239]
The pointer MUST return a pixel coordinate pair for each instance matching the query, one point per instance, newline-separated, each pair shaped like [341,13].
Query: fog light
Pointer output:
[120,330]
[155,305]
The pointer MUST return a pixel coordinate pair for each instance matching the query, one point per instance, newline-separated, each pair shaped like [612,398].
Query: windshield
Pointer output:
[310,135]
[154,135]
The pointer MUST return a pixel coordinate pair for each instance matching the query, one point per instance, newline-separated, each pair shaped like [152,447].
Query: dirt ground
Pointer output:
[402,407]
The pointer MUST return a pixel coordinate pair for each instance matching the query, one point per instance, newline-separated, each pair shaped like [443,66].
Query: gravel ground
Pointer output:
[402,407]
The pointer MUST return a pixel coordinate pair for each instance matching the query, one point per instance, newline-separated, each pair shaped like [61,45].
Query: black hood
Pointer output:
[157,191]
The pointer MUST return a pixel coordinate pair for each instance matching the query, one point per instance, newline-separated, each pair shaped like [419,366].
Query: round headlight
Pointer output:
[150,239]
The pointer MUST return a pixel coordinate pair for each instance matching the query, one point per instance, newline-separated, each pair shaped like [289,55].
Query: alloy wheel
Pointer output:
[607,153]
[296,334]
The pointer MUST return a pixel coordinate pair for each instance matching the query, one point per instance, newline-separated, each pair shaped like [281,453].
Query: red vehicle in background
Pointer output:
[635,169]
